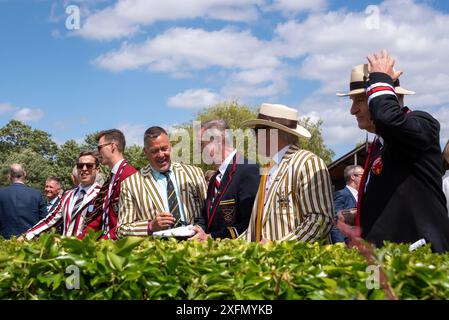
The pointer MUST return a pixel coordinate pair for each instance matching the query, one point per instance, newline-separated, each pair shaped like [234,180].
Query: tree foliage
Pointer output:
[16,136]
[42,157]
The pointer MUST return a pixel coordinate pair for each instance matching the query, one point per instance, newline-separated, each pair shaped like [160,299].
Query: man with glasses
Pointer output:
[75,204]
[162,195]
[111,148]
[345,200]
[233,187]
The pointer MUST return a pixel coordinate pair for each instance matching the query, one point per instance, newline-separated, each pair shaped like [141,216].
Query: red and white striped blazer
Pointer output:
[73,222]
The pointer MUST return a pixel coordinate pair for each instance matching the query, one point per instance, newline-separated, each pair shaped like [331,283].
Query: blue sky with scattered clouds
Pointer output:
[134,64]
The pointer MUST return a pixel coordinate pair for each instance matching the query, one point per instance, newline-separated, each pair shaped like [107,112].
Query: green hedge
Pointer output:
[134,268]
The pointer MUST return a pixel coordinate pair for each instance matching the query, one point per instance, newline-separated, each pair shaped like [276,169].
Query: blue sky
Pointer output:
[134,64]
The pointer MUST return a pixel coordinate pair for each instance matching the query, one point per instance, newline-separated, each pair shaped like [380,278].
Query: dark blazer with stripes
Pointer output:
[227,216]
[404,201]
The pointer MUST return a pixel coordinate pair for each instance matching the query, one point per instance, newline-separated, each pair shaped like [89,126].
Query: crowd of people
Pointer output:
[398,196]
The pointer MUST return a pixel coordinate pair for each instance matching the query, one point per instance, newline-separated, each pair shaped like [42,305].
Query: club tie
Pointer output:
[173,203]
[99,201]
[217,184]
[79,201]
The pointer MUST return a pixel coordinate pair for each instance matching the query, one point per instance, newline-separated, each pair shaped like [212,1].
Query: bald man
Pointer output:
[21,207]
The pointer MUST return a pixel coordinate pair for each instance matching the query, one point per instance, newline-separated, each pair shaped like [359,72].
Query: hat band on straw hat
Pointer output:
[292,124]
[357,85]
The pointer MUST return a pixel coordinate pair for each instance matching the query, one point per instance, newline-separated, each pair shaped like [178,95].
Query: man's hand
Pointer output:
[21,239]
[200,234]
[163,221]
[383,62]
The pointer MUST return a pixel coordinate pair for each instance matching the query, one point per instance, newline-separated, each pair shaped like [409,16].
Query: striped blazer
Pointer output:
[140,200]
[299,204]
[73,222]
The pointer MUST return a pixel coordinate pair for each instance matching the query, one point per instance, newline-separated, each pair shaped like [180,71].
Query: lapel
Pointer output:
[87,199]
[281,172]
[183,186]
[225,180]
[150,185]
[55,205]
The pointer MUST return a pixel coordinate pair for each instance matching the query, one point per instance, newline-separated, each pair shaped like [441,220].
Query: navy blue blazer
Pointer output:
[228,215]
[21,207]
[343,199]
[404,201]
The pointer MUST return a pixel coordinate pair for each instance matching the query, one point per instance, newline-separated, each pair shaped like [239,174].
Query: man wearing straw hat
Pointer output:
[294,201]
[400,196]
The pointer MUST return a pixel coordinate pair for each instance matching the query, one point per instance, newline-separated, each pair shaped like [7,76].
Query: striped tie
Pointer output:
[99,202]
[173,203]
[217,184]
[79,201]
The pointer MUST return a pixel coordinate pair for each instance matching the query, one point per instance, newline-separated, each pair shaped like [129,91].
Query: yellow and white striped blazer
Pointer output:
[140,200]
[299,204]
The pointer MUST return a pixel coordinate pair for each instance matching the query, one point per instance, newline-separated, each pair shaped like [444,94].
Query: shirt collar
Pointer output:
[280,155]
[157,175]
[86,189]
[116,166]
[226,162]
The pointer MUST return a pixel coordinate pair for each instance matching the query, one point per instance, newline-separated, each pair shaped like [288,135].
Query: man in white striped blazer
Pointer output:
[75,203]
[295,199]
[162,195]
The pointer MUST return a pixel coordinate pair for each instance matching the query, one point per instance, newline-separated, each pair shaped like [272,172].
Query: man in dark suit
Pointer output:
[21,207]
[111,147]
[401,198]
[233,188]
[346,198]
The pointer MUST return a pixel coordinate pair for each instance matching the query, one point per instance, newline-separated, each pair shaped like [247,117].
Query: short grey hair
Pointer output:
[16,171]
[220,125]
[349,171]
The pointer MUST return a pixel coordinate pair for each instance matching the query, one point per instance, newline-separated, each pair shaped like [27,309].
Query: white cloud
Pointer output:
[331,43]
[127,17]
[5,108]
[182,49]
[322,47]
[294,6]
[133,133]
[28,115]
[199,98]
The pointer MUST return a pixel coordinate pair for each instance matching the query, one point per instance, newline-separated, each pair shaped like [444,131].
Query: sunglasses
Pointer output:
[89,166]
[99,147]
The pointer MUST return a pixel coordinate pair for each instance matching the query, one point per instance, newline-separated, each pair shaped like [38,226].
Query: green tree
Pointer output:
[16,136]
[136,157]
[90,142]
[37,167]
[316,143]
[66,159]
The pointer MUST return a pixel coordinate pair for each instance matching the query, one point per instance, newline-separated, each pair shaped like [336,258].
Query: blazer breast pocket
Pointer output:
[229,211]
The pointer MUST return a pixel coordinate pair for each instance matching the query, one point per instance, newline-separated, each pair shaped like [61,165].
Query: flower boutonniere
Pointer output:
[378,164]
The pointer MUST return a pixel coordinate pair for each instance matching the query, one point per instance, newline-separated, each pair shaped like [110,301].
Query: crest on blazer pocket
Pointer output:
[229,210]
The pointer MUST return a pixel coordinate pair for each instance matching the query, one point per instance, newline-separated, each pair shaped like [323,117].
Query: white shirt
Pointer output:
[87,191]
[51,203]
[226,162]
[446,189]
[354,192]
[277,158]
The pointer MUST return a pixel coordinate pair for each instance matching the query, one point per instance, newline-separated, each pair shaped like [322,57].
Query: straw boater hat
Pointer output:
[280,117]
[359,77]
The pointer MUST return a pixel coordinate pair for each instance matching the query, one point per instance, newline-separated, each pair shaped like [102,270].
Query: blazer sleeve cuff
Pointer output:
[378,85]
